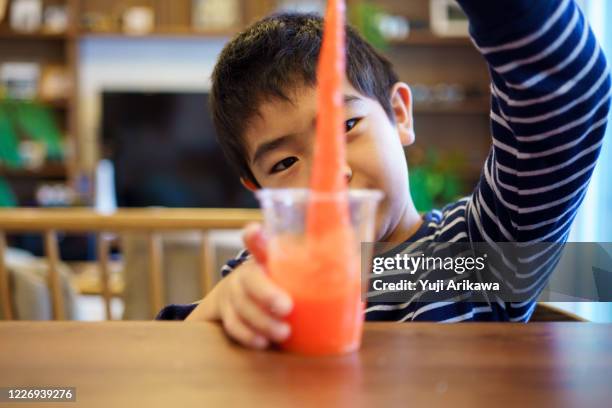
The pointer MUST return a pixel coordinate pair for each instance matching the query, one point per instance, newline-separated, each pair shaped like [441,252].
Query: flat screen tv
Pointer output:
[165,153]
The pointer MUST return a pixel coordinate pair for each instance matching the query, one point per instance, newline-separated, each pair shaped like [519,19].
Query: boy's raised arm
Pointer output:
[550,99]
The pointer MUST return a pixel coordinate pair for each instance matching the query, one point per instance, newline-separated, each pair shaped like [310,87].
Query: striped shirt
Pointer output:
[550,97]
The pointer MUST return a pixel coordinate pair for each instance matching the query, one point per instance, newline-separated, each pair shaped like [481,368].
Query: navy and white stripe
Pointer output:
[550,99]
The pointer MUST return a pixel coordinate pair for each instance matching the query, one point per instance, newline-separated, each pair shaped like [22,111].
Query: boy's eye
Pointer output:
[283,164]
[351,123]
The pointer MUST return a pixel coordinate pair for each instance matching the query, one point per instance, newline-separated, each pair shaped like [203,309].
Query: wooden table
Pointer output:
[175,364]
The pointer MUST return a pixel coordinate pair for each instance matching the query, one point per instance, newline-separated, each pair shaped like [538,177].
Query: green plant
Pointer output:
[9,141]
[7,197]
[27,120]
[365,17]
[435,181]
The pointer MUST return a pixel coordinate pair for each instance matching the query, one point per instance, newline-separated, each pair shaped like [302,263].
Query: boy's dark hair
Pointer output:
[273,57]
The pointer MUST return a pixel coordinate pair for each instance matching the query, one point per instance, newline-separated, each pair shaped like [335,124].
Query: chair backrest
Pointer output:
[152,222]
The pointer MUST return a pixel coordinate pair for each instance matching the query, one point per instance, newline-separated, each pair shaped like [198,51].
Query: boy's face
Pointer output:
[280,144]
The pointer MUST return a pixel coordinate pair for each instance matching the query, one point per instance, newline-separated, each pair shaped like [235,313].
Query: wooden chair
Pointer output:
[150,221]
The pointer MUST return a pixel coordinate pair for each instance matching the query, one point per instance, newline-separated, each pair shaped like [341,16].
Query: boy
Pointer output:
[550,99]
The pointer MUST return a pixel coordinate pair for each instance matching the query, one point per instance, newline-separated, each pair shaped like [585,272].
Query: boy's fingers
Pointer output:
[261,289]
[257,318]
[240,332]
[255,242]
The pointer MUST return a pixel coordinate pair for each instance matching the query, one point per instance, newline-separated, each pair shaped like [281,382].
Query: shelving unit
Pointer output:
[162,34]
[422,58]
[450,130]
[475,106]
[45,48]
[11,35]
[51,171]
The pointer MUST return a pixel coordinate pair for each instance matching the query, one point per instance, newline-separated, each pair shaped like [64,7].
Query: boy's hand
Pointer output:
[247,302]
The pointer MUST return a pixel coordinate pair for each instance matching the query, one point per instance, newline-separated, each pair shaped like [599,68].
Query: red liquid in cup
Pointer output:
[323,279]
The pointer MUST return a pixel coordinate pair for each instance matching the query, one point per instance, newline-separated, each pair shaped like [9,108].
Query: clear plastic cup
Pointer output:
[323,275]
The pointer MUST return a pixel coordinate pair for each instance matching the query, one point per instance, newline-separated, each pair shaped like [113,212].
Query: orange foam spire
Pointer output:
[330,144]
[322,273]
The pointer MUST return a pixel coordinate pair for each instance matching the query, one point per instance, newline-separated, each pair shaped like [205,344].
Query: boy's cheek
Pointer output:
[368,167]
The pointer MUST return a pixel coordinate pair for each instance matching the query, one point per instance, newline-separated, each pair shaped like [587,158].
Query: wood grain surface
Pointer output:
[168,364]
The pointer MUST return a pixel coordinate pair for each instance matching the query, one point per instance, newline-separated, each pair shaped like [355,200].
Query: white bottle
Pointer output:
[106,199]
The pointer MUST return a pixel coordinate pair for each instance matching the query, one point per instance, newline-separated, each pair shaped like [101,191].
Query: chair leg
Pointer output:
[155,272]
[103,261]
[5,292]
[53,259]
[206,263]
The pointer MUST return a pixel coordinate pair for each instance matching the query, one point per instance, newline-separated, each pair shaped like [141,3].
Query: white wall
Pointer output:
[138,64]
[594,220]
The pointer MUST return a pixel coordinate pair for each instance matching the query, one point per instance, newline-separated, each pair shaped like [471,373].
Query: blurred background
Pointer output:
[89,80]
[103,104]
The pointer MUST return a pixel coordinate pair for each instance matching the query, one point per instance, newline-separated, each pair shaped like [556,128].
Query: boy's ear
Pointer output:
[401,102]
[248,184]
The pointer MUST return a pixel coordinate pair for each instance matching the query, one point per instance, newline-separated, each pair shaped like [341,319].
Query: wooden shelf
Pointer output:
[55,103]
[48,171]
[469,107]
[37,35]
[181,34]
[174,33]
[428,39]
[60,104]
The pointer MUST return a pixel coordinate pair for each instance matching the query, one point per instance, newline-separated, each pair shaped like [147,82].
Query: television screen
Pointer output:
[165,152]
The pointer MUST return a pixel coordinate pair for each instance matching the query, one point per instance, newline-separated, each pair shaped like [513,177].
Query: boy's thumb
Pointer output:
[255,242]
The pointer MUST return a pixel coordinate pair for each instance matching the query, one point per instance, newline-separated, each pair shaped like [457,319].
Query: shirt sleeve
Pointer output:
[233,263]
[550,98]
[176,312]
[550,89]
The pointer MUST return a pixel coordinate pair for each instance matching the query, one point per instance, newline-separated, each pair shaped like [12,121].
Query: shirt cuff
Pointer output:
[176,312]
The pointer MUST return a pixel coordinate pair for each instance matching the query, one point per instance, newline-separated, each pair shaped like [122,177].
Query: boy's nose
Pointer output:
[348,173]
